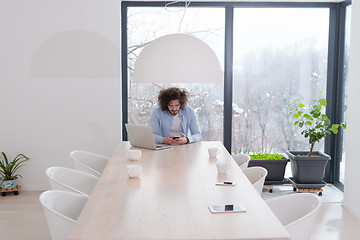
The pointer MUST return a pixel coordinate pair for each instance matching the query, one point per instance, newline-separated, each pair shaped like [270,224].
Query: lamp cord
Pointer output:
[187,3]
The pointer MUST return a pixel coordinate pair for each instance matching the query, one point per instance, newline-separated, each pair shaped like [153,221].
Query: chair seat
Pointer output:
[242,160]
[297,212]
[62,208]
[69,179]
[256,176]
[89,162]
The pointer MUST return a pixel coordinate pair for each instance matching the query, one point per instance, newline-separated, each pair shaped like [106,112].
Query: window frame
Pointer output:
[335,93]
[335,81]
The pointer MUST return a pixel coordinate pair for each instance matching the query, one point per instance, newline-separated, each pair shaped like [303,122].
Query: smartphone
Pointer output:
[226,183]
[226,208]
[176,137]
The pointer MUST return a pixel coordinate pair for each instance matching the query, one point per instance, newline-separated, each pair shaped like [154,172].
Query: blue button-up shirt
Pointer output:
[161,121]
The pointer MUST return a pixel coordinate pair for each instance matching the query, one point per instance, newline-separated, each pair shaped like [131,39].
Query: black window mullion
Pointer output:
[339,104]
[124,67]
[228,76]
[334,94]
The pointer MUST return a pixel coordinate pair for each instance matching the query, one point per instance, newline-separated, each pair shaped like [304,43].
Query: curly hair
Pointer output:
[169,94]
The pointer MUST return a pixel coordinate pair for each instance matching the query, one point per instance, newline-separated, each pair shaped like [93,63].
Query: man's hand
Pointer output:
[179,141]
[168,140]
[182,140]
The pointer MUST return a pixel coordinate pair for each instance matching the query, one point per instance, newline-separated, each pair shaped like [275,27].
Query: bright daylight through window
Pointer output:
[278,54]
[147,24]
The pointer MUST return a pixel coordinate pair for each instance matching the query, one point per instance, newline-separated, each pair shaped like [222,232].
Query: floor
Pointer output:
[22,217]
[334,222]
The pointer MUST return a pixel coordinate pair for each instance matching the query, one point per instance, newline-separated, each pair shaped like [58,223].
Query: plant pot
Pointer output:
[8,184]
[275,168]
[308,170]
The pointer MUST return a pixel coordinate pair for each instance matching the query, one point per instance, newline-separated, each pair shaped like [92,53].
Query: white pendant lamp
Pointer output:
[177,58]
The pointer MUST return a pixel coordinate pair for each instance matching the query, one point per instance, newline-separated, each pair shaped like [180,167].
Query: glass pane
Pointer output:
[279,53]
[346,61]
[148,23]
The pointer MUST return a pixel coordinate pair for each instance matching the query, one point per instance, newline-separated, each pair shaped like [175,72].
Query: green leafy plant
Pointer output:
[315,124]
[259,155]
[8,168]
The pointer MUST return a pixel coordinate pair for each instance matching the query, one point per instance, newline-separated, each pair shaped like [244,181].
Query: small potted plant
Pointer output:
[274,163]
[9,168]
[308,167]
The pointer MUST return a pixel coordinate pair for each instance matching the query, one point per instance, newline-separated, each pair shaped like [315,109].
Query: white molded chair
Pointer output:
[89,162]
[69,179]
[297,212]
[242,160]
[62,208]
[256,176]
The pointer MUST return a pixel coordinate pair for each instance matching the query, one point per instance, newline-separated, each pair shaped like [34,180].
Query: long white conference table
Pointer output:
[170,200]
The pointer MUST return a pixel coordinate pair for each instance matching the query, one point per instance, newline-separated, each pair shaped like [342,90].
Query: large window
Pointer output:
[270,53]
[147,23]
[279,53]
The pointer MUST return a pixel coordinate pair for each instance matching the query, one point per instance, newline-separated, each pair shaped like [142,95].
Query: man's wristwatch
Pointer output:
[187,140]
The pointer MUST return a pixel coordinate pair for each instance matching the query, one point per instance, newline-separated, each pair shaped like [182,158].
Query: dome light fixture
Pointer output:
[177,58]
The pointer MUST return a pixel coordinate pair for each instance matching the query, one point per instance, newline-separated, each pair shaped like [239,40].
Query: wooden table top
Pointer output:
[170,200]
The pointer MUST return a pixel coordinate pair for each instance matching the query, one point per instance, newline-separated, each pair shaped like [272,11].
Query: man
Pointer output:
[173,122]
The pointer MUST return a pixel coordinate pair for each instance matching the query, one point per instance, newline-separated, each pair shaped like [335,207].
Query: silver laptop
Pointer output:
[142,136]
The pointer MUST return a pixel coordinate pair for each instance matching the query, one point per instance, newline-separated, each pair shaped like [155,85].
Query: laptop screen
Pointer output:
[142,136]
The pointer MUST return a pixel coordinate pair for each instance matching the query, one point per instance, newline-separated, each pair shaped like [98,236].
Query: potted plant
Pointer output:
[8,170]
[308,167]
[274,163]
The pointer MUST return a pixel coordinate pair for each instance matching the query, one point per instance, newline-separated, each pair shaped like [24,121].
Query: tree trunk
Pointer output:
[311,149]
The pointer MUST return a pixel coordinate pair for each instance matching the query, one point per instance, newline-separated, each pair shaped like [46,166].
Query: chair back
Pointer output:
[62,209]
[297,212]
[256,176]
[242,160]
[69,179]
[89,162]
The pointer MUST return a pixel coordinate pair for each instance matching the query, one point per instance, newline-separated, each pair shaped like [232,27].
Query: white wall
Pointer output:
[60,85]
[352,165]
[59,81]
